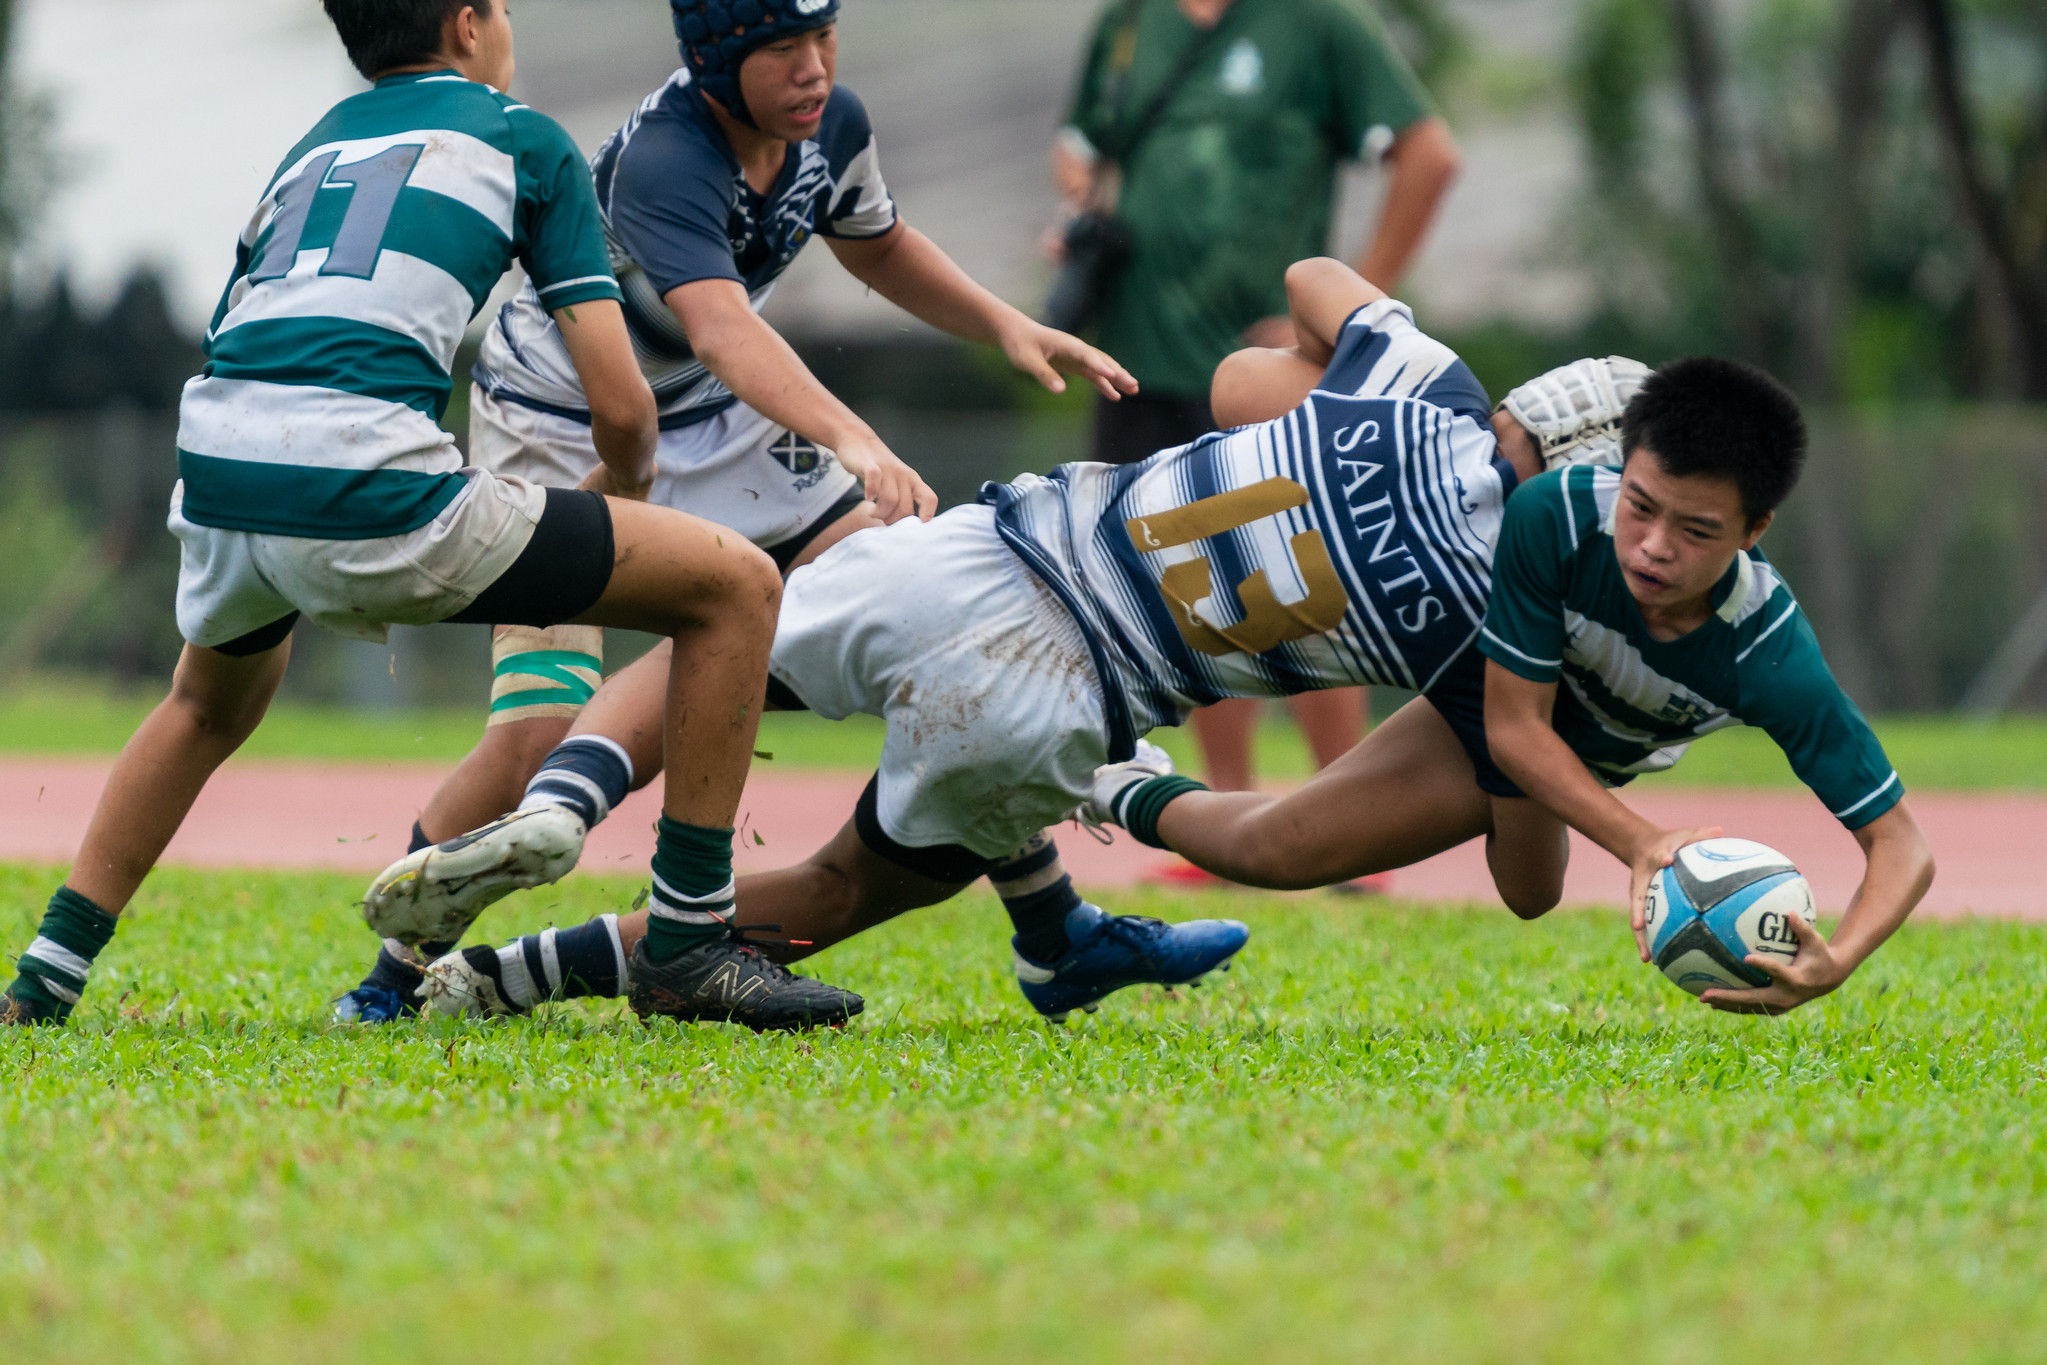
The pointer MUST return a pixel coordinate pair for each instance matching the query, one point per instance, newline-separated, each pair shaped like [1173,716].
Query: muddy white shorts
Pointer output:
[234,582]
[737,468]
[994,710]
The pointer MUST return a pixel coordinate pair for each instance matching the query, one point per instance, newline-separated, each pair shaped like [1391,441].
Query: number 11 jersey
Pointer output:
[381,235]
[1348,542]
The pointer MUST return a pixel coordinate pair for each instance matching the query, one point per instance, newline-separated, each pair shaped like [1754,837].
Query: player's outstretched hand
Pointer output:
[1655,855]
[892,486]
[1808,976]
[1045,354]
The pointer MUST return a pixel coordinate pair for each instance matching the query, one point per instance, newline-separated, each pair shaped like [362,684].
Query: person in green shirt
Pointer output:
[1233,182]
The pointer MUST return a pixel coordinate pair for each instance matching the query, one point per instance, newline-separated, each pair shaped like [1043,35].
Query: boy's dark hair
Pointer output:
[381,34]
[1715,418]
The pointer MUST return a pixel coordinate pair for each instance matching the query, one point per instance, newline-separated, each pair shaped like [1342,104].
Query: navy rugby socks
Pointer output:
[691,902]
[587,774]
[52,972]
[557,964]
[1038,895]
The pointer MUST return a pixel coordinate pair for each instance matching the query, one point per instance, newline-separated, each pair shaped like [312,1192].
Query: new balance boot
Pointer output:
[726,979]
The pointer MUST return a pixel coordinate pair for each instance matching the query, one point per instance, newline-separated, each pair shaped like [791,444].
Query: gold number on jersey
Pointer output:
[1267,621]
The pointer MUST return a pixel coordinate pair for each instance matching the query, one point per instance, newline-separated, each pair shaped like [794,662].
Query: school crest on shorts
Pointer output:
[801,458]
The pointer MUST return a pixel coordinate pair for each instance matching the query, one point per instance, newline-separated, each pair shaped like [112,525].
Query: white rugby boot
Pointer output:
[1115,781]
[467,984]
[436,893]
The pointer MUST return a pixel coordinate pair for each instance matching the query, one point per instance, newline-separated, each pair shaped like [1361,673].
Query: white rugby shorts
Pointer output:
[738,468]
[994,710]
[233,582]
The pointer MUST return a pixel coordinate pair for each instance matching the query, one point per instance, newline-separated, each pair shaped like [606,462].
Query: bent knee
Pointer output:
[1531,902]
[754,581]
[233,719]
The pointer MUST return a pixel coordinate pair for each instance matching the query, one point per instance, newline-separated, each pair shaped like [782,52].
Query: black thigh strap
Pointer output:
[784,552]
[947,863]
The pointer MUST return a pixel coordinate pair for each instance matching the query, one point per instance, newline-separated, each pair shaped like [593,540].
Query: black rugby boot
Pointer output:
[727,979]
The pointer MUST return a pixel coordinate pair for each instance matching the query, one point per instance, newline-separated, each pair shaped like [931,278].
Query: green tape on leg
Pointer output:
[574,677]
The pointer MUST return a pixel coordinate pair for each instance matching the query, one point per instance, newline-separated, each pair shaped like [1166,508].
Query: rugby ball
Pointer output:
[1719,901]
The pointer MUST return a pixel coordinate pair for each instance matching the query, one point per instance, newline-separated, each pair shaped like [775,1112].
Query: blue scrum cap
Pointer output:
[716,35]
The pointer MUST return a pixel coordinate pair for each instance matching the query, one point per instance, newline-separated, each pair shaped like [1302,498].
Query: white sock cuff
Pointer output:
[614,746]
[62,959]
[670,904]
[550,961]
[58,956]
[513,978]
[537,793]
[617,947]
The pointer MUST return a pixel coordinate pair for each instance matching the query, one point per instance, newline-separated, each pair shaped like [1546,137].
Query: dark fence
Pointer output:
[1918,544]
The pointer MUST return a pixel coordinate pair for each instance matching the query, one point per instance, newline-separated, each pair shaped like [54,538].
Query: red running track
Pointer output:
[355,817]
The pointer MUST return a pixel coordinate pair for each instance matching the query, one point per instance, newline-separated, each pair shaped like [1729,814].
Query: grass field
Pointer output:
[1389,1135]
[84,717]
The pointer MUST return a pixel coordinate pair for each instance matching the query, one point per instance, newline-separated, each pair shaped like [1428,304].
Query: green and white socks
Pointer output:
[693,893]
[1137,807]
[52,971]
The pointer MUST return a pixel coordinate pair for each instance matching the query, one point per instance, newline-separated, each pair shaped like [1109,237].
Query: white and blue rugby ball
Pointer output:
[1717,902]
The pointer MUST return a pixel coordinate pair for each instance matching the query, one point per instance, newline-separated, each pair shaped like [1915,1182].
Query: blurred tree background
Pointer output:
[1852,193]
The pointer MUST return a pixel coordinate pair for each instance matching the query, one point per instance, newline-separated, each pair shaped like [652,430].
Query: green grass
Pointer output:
[1390,1135]
[85,717]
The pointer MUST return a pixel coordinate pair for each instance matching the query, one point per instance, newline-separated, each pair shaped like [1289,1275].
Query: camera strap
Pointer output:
[1125,55]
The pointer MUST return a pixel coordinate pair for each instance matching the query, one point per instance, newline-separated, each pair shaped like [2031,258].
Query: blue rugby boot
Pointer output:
[389,993]
[370,1005]
[1108,952]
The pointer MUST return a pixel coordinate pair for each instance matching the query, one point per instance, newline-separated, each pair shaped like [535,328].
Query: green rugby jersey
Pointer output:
[1630,703]
[378,239]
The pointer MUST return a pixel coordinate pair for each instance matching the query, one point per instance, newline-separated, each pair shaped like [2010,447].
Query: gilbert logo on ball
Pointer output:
[1719,901]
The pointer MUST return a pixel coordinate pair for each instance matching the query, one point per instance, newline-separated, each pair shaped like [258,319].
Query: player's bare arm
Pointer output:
[1529,751]
[765,373]
[1425,161]
[911,271]
[622,410]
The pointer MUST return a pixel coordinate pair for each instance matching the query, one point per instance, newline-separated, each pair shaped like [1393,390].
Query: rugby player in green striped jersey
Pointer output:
[1630,612]
[316,481]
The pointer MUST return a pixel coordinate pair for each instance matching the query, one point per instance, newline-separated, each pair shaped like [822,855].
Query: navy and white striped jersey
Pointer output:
[1350,541]
[678,209]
